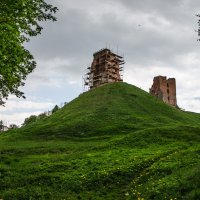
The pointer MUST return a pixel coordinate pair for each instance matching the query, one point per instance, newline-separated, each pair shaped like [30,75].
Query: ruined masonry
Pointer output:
[164,89]
[105,68]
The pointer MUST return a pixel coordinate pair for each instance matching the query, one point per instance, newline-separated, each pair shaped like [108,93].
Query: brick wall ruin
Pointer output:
[105,68]
[164,89]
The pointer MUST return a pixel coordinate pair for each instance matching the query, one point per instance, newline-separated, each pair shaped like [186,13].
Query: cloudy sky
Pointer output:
[156,37]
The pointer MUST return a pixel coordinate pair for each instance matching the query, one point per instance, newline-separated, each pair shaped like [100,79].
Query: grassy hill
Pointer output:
[114,142]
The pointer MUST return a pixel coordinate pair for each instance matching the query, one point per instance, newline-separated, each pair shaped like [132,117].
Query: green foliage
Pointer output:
[42,116]
[1,124]
[13,126]
[30,120]
[115,142]
[113,109]
[34,118]
[56,108]
[18,22]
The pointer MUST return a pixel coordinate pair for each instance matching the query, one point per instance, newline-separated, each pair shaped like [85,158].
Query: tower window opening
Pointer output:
[168,91]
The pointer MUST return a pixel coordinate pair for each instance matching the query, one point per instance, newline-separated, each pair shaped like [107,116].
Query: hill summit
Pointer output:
[112,108]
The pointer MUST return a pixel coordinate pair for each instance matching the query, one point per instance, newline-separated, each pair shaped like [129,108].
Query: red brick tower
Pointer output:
[164,89]
[105,68]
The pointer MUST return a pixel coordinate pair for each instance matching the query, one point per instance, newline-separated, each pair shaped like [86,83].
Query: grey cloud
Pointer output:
[197,98]
[76,34]
[164,44]
[166,35]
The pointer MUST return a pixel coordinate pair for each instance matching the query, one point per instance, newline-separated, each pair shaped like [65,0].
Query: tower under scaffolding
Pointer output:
[107,67]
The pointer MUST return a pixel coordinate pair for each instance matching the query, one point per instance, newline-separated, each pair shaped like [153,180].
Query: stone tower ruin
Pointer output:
[164,89]
[105,68]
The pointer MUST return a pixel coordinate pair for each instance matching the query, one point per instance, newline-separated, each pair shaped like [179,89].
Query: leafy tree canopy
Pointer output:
[56,108]
[1,125]
[30,120]
[42,116]
[19,20]
[13,126]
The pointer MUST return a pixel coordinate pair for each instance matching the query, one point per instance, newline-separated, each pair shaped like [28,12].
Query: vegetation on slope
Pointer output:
[110,109]
[114,142]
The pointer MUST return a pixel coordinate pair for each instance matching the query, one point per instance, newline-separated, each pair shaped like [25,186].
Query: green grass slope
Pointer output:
[114,142]
[111,109]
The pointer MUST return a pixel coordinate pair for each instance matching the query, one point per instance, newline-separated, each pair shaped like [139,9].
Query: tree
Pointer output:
[56,108]
[1,125]
[30,120]
[13,126]
[19,20]
[198,26]
[42,116]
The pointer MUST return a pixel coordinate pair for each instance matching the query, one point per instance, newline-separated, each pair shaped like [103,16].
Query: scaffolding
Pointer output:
[107,67]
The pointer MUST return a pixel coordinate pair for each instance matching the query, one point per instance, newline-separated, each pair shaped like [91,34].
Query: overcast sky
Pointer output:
[157,37]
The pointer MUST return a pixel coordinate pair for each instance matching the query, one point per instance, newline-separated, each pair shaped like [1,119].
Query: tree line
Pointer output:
[34,118]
